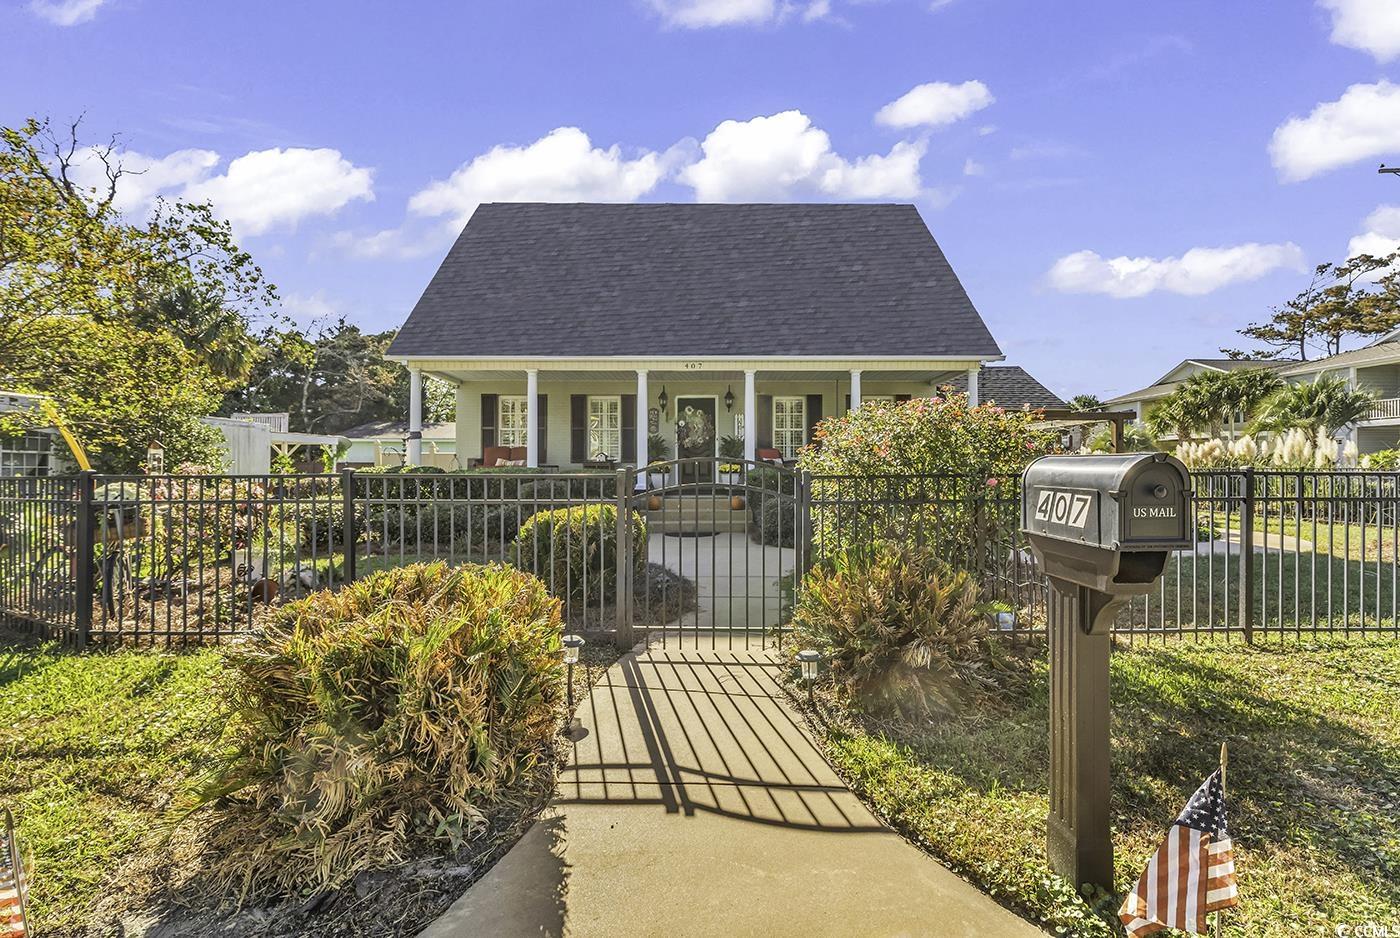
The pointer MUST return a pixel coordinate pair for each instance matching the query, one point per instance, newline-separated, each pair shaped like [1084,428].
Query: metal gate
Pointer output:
[725,543]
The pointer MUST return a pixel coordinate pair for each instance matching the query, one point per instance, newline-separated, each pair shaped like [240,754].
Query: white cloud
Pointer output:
[1369,25]
[703,14]
[782,156]
[268,188]
[973,168]
[1363,123]
[562,166]
[66,12]
[1198,271]
[935,104]
[258,191]
[1381,235]
[406,241]
[309,310]
[698,14]
[142,177]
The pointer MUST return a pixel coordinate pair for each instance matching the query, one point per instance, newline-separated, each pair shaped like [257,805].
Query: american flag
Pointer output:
[1193,872]
[12,884]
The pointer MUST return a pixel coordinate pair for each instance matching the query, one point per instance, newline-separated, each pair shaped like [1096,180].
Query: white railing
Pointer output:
[1387,407]
[277,423]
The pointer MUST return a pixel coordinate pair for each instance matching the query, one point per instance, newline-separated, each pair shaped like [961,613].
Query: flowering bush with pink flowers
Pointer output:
[928,436]
[934,472]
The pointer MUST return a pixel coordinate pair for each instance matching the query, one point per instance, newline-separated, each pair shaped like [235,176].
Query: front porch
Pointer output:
[601,412]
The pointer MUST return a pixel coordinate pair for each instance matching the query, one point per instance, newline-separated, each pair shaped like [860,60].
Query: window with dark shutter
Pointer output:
[542,429]
[578,428]
[488,420]
[629,428]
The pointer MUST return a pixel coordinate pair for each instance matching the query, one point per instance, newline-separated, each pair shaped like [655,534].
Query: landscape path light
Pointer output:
[810,660]
[1006,621]
[573,644]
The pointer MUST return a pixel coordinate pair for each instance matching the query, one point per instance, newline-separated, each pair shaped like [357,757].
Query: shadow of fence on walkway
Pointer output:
[705,734]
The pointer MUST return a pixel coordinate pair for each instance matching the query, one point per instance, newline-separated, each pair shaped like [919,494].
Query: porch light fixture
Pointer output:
[810,660]
[729,398]
[573,644]
[663,399]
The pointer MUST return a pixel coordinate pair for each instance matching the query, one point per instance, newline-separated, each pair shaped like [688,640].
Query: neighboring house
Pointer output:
[385,443]
[251,440]
[30,453]
[573,331]
[1010,387]
[1143,399]
[1374,368]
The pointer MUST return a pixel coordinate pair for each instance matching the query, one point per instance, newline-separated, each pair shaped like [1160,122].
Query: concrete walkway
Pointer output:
[696,804]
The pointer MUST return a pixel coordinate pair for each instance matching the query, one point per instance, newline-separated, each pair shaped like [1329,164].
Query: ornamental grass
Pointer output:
[901,632]
[400,710]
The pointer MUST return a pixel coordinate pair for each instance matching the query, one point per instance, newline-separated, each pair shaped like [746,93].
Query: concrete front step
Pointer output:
[690,515]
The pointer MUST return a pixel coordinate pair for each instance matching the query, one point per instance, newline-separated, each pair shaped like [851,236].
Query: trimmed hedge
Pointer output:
[771,496]
[574,550]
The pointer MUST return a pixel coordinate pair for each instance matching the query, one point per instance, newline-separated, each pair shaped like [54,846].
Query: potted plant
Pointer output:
[657,471]
[658,448]
[732,473]
[731,447]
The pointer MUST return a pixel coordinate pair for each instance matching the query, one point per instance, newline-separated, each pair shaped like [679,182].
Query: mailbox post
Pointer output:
[1101,528]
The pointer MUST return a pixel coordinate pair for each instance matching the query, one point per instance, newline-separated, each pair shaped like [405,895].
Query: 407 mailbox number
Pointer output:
[1067,508]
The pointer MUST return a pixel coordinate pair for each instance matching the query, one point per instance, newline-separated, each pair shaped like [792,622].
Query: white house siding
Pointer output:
[558,392]
[1383,381]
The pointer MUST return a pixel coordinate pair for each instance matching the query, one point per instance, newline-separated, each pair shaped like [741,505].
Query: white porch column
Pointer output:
[532,396]
[642,434]
[972,390]
[750,418]
[414,456]
[855,389]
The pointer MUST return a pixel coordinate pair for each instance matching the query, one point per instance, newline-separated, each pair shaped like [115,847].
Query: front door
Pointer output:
[695,437]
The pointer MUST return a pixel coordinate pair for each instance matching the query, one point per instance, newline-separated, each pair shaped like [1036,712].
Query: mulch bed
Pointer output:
[157,895]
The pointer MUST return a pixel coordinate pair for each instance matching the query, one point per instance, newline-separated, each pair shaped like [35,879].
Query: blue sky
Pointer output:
[1119,185]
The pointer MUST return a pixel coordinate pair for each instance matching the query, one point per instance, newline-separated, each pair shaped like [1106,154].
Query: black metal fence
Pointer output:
[196,558]
[711,552]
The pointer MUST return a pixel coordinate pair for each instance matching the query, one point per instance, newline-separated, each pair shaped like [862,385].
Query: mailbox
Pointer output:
[1107,522]
[1101,528]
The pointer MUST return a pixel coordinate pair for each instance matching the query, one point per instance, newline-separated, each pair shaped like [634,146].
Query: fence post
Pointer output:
[83,538]
[626,479]
[1246,598]
[806,530]
[347,515]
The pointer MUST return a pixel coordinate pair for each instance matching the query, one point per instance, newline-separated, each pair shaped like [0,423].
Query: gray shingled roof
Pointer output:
[1009,386]
[399,428]
[547,279]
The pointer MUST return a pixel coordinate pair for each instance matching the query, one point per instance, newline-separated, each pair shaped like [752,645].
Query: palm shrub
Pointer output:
[899,630]
[407,705]
[574,550]
[1325,404]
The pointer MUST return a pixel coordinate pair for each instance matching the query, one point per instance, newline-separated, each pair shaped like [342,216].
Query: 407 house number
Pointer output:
[1067,508]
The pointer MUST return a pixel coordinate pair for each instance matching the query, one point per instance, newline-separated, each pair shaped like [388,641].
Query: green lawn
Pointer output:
[1314,736]
[93,748]
[1290,592]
